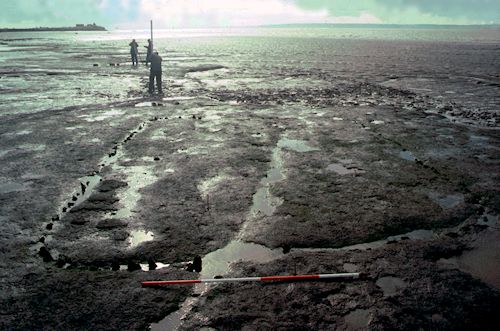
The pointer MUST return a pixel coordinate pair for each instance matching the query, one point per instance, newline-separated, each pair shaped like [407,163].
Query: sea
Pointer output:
[40,71]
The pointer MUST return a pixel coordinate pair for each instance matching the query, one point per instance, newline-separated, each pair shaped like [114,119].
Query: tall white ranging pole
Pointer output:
[151,25]
[341,276]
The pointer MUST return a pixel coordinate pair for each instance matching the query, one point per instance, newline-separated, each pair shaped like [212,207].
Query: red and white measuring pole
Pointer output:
[342,276]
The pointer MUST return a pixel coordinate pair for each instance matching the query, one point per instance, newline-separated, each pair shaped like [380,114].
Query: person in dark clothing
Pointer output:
[155,72]
[134,51]
[149,48]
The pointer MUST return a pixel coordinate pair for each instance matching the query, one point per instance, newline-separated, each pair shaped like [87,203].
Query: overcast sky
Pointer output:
[123,14]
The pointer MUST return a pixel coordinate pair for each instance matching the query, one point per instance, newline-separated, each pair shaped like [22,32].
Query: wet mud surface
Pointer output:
[405,287]
[288,167]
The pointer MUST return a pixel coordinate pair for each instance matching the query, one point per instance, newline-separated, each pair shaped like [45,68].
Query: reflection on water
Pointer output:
[81,75]
[68,79]
[138,177]
[145,266]
[264,202]
[137,237]
[33,147]
[210,184]
[296,145]
[357,32]
[413,235]
[340,169]
[357,319]
[483,259]
[446,201]
[8,187]
[390,285]
[217,262]
[407,155]
[101,116]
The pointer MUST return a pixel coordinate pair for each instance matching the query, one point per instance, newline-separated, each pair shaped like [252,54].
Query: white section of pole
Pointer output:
[151,26]
[228,280]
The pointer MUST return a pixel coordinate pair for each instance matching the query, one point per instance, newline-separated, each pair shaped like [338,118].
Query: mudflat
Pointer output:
[268,155]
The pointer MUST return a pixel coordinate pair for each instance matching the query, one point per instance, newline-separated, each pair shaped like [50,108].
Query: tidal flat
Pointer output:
[272,152]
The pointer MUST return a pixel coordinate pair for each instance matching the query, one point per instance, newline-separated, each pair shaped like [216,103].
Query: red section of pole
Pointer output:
[170,282]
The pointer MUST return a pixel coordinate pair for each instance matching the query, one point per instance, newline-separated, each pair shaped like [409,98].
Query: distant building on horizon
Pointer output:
[77,27]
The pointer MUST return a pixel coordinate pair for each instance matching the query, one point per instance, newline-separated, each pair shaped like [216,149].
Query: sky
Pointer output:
[135,14]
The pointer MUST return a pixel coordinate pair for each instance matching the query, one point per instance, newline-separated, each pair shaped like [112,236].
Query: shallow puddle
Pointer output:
[148,104]
[138,177]
[446,201]
[23,132]
[390,285]
[275,172]
[217,262]
[413,235]
[357,319]
[179,98]
[210,184]
[340,169]
[137,237]
[407,155]
[489,220]
[296,145]
[483,260]
[145,266]
[264,203]
[102,116]
[73,128]
[5,152]
[8,187]
[33,147]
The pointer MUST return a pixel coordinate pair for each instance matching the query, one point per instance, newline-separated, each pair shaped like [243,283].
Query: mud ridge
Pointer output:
[87,187]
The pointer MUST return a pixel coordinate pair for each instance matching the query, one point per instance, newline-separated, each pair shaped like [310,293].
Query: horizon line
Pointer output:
[275,25]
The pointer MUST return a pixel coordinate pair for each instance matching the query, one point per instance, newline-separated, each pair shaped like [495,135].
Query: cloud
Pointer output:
[412,11]
[29,13]
[49,12]
[487,10]
[203,13]
[173,13]
[196,13]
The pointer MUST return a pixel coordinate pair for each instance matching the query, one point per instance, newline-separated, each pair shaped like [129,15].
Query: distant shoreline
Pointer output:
[382,26]
[93,27]
[77,27]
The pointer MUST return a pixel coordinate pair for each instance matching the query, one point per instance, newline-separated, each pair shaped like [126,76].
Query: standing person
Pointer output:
[149,51]
[155,72]
[133,52]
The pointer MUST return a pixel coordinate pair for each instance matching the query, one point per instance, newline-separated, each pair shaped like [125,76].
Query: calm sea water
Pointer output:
[46,70]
